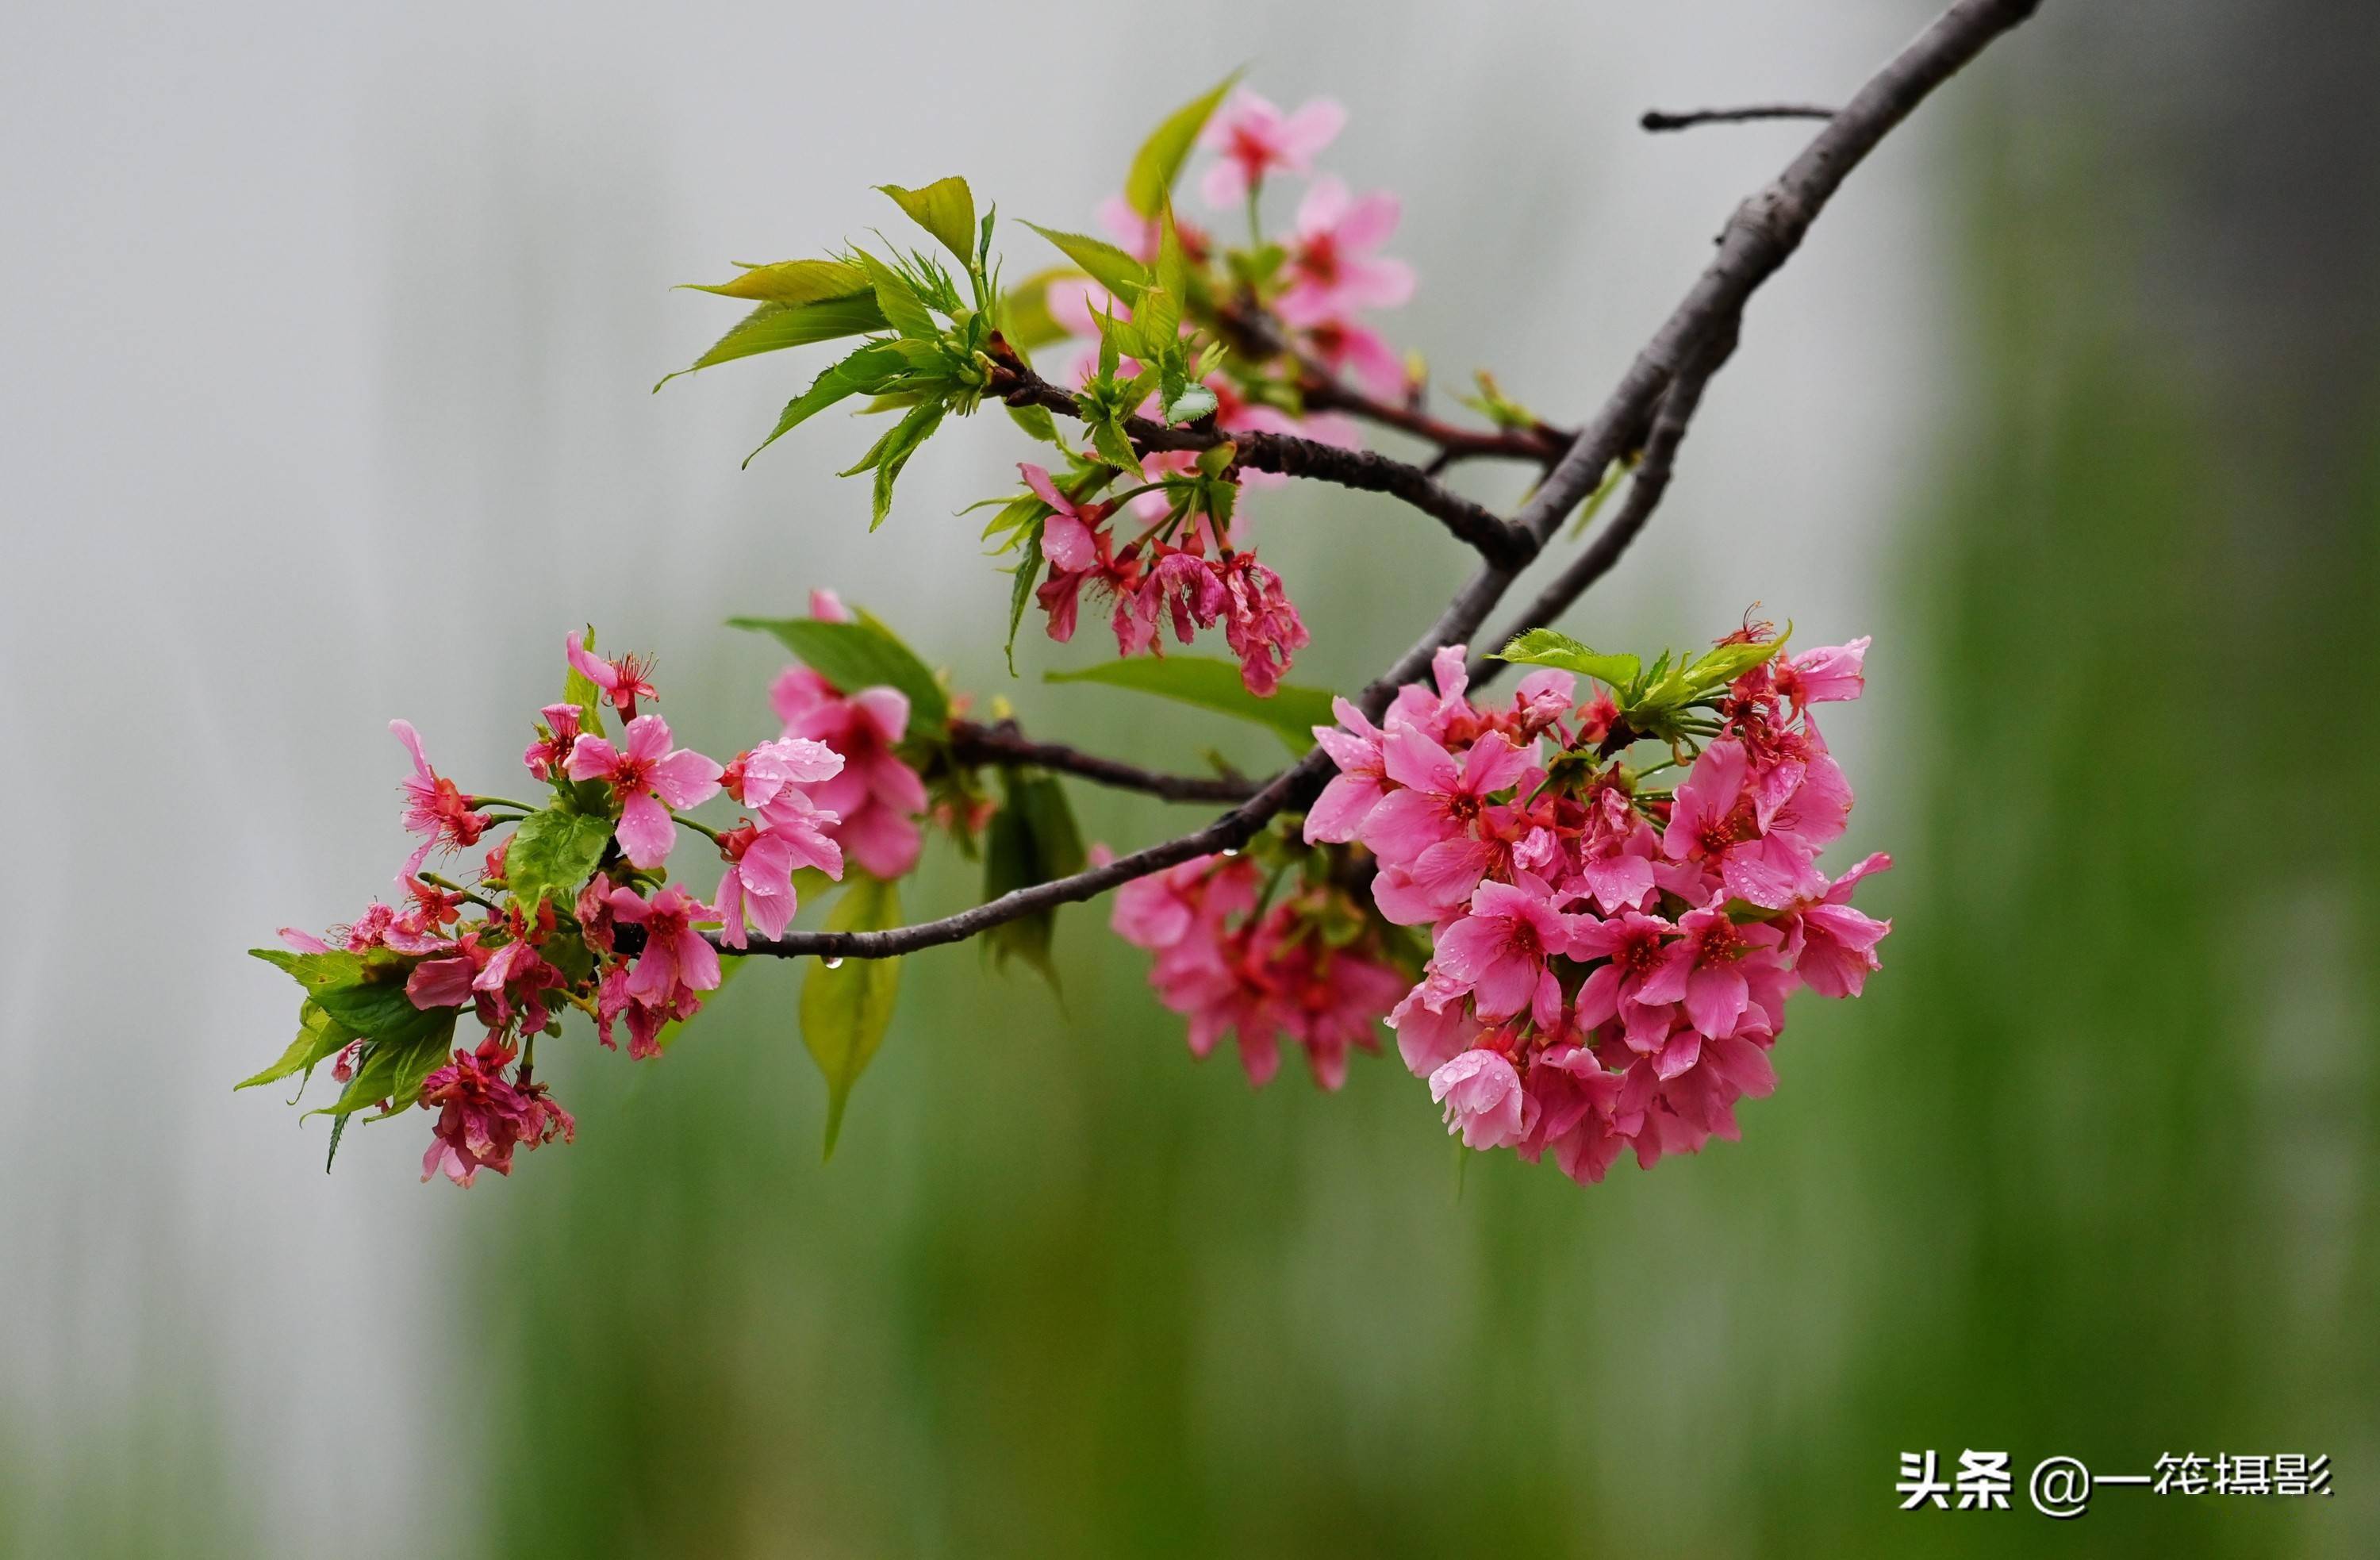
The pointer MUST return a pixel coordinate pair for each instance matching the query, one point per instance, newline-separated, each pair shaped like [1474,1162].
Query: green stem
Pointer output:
[477,802]
[703,829]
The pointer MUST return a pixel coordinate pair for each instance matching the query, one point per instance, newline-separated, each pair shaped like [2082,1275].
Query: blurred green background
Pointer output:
[2091,1170]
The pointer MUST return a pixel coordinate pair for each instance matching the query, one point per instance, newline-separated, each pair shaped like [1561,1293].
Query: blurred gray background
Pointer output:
[327,336]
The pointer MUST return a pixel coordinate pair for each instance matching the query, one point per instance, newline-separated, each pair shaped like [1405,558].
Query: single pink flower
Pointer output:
[1832,945]
[1616,853]
[1828,675]
[1331,266]
[875,796]
[1439,797]
[434,807]
[1719,958]
[670,975]
[1339,813]
[761,862]
[555,733]
[1640,984]
[827,607]
[1499,951]
[622,682]
[1483,1098]
[1434,1024]
[1345,347]
[482,1117]
[1715,824]
[1255,139]
[649,778]
[1261,624]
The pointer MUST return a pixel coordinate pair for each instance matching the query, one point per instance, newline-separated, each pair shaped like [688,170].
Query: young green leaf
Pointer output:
[553,853]
[774,327]
[1717,667]
[1159,162]
[945,209]
[1036,423]
[320,1036]
[898,300]
[1107,266]
[856,655]
[1543,647]
[1020,596]
[847,1007]
[791,280]
[871,366]
[1292,714]
[892,452]
[1195,402]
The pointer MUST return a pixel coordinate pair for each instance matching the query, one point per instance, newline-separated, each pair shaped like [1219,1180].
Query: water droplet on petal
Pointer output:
[831,962]
[1231,851]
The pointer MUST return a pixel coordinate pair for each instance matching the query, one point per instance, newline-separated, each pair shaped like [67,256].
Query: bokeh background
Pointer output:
[325,336]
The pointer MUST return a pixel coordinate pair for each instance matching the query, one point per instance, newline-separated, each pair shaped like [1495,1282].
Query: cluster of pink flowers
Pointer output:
[831,784]
[1610,963]
[1152,583]
[1302,966]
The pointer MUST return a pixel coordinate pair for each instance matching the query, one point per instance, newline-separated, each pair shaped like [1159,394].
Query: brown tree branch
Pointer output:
[1759,238]
[1656,120]
[1476,524]
[1645,489]
[971,743]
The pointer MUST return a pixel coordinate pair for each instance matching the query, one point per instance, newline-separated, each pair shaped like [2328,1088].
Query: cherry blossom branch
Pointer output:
[1292,456]
[1656,120]
[971,743]
[1760,237]
[1645,490]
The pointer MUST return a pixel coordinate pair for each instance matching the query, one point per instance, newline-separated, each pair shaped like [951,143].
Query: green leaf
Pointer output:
[1195,402]
[1036,423]
[1543,647]
[902,309]
[945,209]
[1109,439]
[1020,595]
[774,327]
[319,1036]
[871,366]
[580,689]
[856,655]
[382,1011]
[1292,714]
[1173,263]
[1159,162]
[847,1007]
[1728,661]
[393,1070]
[791,280]
[1107,266]
[893,451]
[1032,840]
[553,852]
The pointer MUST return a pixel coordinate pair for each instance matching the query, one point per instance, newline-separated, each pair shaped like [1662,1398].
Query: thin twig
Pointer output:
[1645,488]
[1292,456]
[1655,119]
[1759,238]
[972,744]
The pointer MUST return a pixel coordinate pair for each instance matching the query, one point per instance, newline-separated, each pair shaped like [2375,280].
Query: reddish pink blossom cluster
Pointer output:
[1228,963]
[831,783]
[1610,963]
[1152,583]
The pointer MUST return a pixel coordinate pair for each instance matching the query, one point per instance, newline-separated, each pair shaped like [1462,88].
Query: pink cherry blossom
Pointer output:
[1339,813]
[1716,825]
[434,807]
[649,778]
[1832,946]
[1499,951]
[666,981]
[1439,797]
[483,1117]
[1830,674]
[761,862]
[1483,1098]
[1256,139]
[555,733]
[622,682]
[876,797]
[1261,624]
[1616,853]
[1332,264]
[1345,346]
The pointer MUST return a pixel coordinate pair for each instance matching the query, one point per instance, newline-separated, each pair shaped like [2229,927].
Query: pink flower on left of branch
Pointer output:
[434,807]
[1255,140]
[876,797]
[668,978]
[644,775]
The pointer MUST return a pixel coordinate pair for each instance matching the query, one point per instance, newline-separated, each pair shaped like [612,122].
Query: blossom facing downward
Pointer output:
[434,807]
[483,1117]
[1255,140]
[1481,1096]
